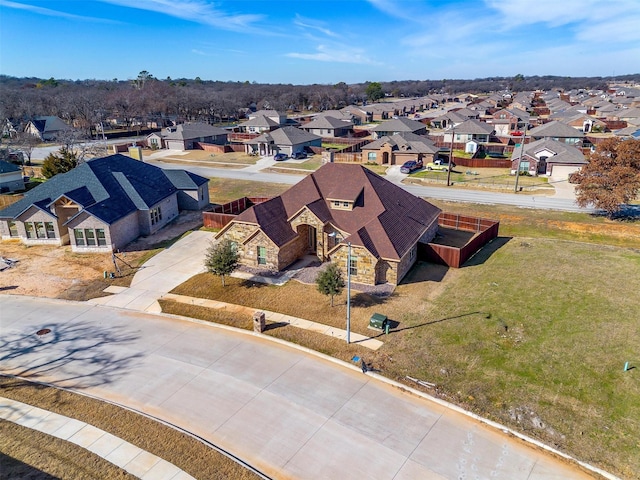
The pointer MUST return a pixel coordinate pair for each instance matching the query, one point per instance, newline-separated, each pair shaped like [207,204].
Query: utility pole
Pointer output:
[453,133]
[524,137]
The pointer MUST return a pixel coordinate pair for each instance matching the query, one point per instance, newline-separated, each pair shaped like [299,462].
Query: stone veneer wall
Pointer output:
[366,264]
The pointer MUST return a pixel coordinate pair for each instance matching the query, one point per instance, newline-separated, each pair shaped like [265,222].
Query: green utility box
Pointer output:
[378,321]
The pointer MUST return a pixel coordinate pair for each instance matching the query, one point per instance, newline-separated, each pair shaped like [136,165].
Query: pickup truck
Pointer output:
[439,165]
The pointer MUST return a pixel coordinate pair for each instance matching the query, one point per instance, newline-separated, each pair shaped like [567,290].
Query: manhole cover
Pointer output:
[44,331]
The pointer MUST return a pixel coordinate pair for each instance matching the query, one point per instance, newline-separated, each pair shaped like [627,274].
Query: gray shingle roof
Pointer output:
[285,136]
[108,188]
[555,129]
[563,153]
[188,131]
[474,127]
[7,167]
[404,141]
[401,124]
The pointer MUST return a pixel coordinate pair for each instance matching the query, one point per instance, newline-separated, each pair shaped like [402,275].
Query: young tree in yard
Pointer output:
[330,281]
[221,259]
[612,176]
[60,162]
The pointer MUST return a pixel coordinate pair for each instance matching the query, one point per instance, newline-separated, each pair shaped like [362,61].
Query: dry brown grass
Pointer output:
[6,200]
[526,334]
[185,452]
[27,453]
[223,190]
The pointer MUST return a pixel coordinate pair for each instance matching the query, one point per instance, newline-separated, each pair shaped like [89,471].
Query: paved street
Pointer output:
[289,413]
[440,193]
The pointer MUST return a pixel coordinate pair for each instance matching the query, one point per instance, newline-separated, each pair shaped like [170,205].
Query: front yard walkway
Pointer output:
[275,317]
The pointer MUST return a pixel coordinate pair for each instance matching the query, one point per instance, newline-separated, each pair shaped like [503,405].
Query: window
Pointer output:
[13,229]
[262,255]
[155,214]
[371,156]
[102,240]
[40,231]
[78,233]
[353,267]
[345,204]
[28,226]
[412,254]
[90,236]
[51,233]
[336,203]
[524,166]
[458,137]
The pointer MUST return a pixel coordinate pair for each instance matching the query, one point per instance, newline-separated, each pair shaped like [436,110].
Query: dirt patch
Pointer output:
[57,272]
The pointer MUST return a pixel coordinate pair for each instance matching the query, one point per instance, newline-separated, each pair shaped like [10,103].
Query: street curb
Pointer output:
[490,423]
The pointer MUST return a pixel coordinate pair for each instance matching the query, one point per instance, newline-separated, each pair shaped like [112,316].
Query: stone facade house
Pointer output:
[103,204]
[337,206]
[399,148]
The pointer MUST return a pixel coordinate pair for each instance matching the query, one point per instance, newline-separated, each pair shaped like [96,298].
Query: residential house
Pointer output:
[558,131]
[103,204]
[263,121]
[287,140]
[399,148]
[187,136]
[471,132]
[508,120]
[46,128]
[11,178]
[328,126]
[398,125]
[447,120]
[547,157]
[338,210]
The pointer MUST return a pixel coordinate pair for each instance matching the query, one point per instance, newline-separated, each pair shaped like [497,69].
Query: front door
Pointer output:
[313,239]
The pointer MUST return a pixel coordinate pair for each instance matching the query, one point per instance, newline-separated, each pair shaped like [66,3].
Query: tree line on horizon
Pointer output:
[85,103]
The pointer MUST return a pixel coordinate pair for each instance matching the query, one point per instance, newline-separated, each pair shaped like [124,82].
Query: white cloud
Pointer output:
[53,13]
[314,25]
[199,11]
[339,54]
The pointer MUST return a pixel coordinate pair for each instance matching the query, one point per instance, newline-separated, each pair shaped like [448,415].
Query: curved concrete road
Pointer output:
[289,413]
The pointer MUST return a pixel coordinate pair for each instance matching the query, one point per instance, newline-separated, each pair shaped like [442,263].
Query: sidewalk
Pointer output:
[356,338]
[123,454]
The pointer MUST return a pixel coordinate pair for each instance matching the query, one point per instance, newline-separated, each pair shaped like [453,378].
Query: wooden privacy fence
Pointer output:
[221,215]
[455,257]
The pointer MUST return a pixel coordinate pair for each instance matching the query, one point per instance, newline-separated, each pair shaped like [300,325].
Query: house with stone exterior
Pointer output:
[102,205]
[340,206]
[400,148]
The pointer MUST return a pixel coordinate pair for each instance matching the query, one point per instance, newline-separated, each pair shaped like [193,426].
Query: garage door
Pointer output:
[562,172]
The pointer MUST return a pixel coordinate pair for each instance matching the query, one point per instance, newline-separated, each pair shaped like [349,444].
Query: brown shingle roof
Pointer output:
[386,219]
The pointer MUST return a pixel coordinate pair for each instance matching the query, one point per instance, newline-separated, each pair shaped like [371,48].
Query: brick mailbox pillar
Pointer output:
[258,322]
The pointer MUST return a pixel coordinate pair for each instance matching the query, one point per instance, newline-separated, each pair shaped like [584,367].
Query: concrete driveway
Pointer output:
[161,274]
[289,413]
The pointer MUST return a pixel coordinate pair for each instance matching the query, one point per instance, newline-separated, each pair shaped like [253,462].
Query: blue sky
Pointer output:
[313,41]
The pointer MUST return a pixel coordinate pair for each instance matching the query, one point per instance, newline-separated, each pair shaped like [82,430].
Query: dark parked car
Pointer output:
[299,155]
[411,166]
[278,157]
